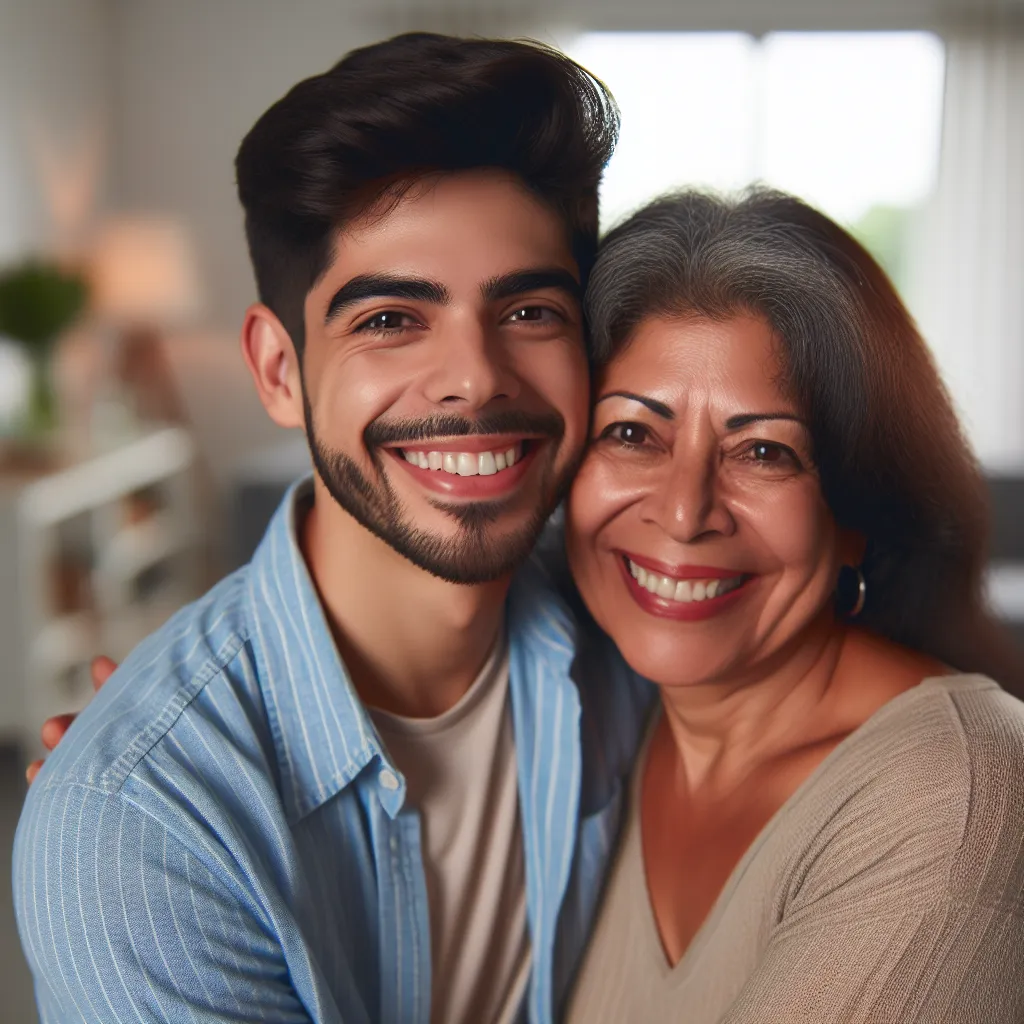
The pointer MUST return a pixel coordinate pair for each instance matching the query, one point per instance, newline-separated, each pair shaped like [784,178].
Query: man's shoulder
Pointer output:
[157,684]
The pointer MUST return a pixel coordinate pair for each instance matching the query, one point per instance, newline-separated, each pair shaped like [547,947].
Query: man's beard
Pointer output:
[471,555]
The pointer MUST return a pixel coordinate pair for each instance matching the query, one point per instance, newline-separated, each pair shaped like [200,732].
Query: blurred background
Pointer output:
[136,464]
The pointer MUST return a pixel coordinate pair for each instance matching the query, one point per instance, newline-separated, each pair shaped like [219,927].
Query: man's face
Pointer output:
[444,376]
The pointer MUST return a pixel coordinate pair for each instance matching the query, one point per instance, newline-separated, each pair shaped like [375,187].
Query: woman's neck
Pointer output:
[724,727]
[806,698]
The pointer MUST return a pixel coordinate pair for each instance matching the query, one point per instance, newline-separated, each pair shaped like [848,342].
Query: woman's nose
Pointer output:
[687,501]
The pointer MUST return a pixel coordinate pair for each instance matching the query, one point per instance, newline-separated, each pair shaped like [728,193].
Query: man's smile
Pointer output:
[483,467]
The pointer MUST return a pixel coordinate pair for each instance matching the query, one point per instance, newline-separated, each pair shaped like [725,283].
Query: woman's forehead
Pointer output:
[677,359]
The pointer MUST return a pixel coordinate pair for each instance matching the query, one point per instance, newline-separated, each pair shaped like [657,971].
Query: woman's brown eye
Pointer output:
[628,433]
[767,452]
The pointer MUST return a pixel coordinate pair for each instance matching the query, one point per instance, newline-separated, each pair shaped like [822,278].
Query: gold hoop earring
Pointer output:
[862,593]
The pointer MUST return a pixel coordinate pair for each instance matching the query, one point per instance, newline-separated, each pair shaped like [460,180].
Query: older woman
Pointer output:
[778,522]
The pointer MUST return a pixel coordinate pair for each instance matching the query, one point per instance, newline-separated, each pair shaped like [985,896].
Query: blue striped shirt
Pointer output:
[218,837]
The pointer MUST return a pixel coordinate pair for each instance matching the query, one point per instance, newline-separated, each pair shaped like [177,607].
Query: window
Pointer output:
[848,121]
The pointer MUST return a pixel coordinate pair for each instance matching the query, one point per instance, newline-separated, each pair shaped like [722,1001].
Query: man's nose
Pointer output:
[470,369]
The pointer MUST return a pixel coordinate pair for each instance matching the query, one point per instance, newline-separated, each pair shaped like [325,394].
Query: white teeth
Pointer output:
[683,591]
[464,463]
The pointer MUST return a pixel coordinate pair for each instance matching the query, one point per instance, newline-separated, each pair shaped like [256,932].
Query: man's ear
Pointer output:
[274,364]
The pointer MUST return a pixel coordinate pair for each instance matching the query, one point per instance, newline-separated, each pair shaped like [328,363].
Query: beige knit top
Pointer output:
[889,887]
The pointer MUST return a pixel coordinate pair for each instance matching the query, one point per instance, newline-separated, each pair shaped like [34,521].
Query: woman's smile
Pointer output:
[686,593]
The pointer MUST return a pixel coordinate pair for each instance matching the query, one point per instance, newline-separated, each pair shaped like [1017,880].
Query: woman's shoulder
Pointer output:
[927,795]
[944,758]
[969,716]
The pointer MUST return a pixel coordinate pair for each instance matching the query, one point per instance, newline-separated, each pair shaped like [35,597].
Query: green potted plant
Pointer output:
[38,301]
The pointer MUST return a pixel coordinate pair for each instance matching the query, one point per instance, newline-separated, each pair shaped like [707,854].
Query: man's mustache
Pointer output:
[390,432]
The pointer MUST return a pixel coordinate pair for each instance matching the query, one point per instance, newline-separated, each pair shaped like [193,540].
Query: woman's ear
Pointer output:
[274,364]
[853,546]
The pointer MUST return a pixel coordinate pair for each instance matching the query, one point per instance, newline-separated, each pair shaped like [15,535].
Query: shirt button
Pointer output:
[388,779]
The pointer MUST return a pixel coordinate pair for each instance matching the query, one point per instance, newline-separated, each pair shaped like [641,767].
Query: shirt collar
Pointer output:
[323,735]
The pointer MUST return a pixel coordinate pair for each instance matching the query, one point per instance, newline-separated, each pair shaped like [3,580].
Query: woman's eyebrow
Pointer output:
[746,418]
[658,408]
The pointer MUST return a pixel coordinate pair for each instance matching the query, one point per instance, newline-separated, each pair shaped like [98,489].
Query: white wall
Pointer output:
[54,102]
[191,77]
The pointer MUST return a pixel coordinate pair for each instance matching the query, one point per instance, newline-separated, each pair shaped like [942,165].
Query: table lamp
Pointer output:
[144,282]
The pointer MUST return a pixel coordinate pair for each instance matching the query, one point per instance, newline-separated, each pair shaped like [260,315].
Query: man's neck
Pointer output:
[412,643]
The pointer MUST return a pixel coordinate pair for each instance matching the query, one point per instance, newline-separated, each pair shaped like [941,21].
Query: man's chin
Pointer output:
[461,542]
[468,556]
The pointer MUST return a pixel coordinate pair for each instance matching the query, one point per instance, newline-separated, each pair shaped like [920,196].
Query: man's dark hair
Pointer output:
[893,462]
[359,135]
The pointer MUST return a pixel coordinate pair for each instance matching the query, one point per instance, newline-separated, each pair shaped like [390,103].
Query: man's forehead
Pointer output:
[489,207]
[452,247]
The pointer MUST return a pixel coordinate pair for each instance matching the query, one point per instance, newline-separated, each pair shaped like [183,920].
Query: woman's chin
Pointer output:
[676,665]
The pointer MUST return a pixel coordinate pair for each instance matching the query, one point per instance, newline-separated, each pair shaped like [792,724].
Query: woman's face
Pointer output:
[698,534]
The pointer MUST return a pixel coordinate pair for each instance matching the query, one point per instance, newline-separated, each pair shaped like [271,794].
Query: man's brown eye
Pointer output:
[386,322]
[533,314]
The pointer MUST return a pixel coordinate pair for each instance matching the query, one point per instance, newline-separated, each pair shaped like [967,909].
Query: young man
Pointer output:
[355,781]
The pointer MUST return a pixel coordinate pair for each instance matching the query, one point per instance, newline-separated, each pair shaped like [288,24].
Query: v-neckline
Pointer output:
[682,968]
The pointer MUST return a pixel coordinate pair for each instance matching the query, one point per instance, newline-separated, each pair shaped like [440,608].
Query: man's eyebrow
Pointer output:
[535,279]
[374,286]
[658,408]
[742,420]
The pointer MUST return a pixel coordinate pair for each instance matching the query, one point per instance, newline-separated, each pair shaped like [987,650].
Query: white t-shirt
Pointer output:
[460,773]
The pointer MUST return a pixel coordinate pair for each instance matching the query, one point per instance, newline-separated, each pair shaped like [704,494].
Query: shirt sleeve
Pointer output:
[121,922]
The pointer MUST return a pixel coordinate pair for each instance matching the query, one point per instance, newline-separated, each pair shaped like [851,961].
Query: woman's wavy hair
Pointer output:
[352,140]
[893,461]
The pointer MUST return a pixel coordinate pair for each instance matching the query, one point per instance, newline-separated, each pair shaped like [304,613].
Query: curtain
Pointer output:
[970,296]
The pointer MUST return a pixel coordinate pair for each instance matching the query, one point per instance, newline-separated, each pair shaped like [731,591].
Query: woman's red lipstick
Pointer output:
[668,607]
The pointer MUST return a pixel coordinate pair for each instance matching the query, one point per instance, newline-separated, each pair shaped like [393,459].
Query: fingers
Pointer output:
[101,669]
[54,728]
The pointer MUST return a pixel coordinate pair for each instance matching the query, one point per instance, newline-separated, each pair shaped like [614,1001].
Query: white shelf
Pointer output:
[44,653]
